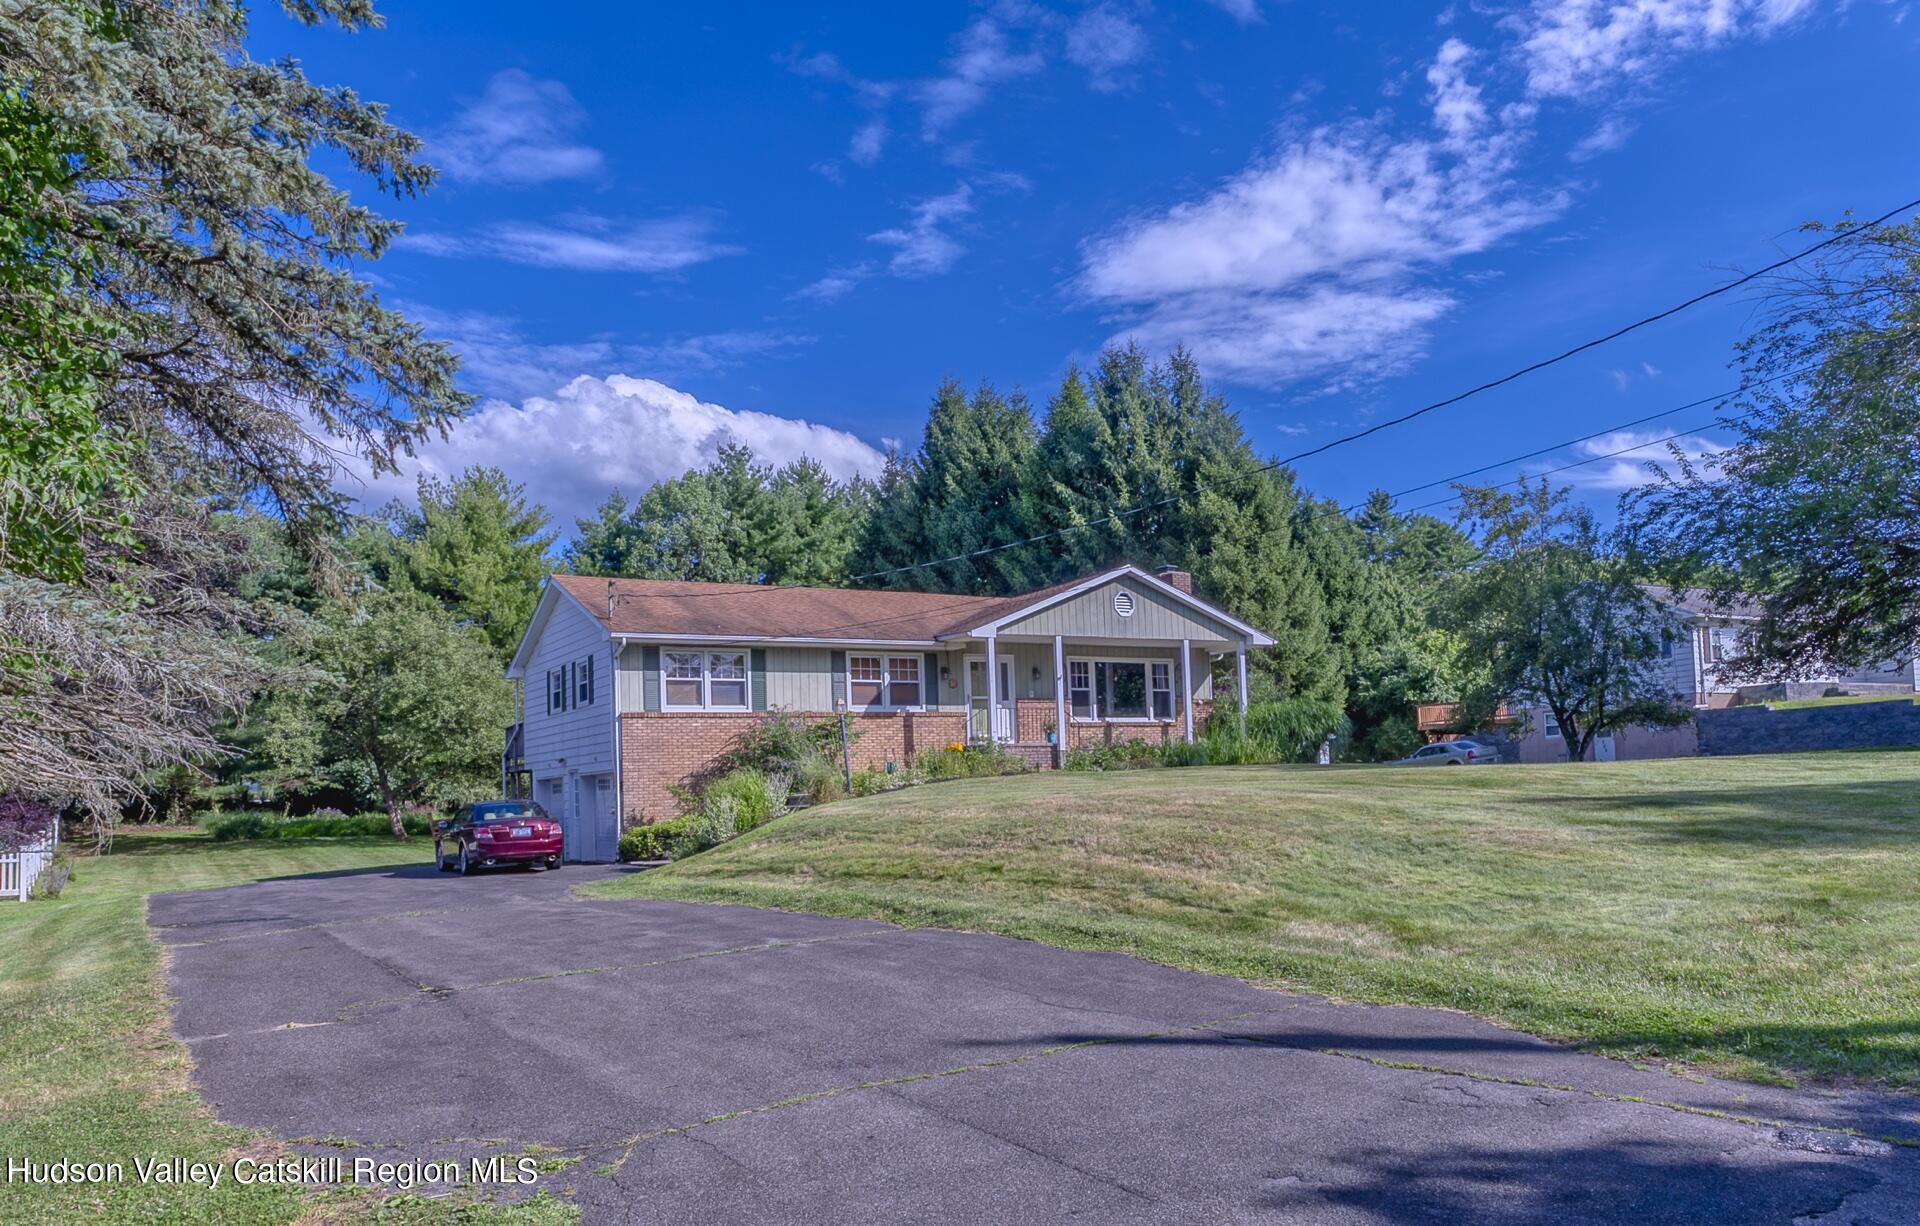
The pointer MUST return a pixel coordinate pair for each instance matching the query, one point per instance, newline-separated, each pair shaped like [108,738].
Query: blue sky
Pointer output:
[660,227]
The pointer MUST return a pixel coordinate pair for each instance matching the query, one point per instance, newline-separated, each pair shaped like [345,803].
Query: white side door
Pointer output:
[977,700]
[1603,750]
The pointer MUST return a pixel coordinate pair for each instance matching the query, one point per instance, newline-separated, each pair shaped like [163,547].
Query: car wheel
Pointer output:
[440,858]
[466,862]
[1453,761]
[553,861]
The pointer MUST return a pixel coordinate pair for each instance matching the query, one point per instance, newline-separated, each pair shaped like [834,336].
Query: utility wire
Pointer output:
[1377,427]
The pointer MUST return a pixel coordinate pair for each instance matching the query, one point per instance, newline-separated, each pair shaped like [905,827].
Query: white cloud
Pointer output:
[1575,48]
[519,131]
[1245,12]
[1308,264]
[585,242]
[868,140]
[1103,40]
[1629,452]
[1458,108]
[983,57]
[922,247]
[498,360]
[573,446]
[836,285]
[1610,134]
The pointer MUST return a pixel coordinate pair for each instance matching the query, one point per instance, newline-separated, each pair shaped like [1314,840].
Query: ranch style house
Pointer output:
[630,688]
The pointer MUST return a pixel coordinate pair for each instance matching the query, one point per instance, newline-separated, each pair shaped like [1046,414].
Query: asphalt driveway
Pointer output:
[673,1062]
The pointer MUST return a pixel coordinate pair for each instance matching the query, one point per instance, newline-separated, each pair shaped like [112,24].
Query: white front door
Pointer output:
[977,700]
[1603,750]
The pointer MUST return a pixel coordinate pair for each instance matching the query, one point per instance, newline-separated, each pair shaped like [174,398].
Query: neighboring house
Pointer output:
[1703,638]
[634,687]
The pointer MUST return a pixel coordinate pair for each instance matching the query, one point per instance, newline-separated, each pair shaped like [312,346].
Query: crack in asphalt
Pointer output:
[990,1134]
[627,1146]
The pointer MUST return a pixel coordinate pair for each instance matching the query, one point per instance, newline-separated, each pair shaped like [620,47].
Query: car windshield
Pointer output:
[506,810]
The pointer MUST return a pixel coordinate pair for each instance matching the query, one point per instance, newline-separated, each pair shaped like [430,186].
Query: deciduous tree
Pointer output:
[1555,614]
[1815,508]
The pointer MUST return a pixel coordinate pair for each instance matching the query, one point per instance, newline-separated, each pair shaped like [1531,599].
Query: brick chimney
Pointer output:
[1173,576]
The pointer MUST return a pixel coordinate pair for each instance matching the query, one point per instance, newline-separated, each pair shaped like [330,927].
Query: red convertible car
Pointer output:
[497,832]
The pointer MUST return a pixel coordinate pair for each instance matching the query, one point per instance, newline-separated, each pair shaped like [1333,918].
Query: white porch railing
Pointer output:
[20,869]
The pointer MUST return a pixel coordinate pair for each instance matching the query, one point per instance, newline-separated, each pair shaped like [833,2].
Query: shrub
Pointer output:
[713,823]
[756,798]
[969,761]
[1122,755]
[653,841]
[249,825]
[237,826]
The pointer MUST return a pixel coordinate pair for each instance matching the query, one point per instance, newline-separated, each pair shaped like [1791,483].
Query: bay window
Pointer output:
[703,680]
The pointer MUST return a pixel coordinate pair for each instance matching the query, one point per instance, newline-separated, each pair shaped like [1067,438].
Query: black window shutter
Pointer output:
[589,680]
[758,683]
[549,691]
[839,667]
[930,681]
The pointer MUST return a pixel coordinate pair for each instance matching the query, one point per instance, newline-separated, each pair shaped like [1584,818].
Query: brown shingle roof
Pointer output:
[751,610]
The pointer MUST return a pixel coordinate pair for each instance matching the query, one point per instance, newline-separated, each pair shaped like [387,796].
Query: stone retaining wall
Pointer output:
[1862,725]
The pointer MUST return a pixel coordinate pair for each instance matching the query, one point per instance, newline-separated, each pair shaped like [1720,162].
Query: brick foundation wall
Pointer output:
[660,751]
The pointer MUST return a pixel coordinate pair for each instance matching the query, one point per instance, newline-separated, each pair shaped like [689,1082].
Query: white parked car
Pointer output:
[1451,753]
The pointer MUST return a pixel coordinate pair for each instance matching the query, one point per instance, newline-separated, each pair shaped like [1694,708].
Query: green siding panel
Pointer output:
[650,667]
[758,684]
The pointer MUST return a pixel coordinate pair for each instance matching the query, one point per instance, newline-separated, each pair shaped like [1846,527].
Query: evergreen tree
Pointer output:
[476,546]
[733,521]
[968,482]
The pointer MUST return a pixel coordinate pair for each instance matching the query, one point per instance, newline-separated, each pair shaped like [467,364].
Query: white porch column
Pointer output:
[1059,703]
[1186,685]
[993,693]
[1240,679]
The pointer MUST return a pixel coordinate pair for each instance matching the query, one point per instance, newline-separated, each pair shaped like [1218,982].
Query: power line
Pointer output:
[1456,398]
[1594,459]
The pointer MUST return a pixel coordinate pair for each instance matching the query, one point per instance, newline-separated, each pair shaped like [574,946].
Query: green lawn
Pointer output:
[87,1068]
[1756,916]
[1792,704]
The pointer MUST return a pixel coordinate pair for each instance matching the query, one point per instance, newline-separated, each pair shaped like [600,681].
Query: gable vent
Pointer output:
[1123,602]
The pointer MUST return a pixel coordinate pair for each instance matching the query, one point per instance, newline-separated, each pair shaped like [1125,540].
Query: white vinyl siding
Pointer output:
[582,732]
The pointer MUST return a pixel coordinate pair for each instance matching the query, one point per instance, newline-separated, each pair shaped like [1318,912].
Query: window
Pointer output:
[727,679]
[1666,644]
[866,681]
[903,681]
[1161,680]
[1553,728]
[883,683]
[683,673]
[1080,689]
[696,680]
[1723,643]
[583,682]
[556,690]
[1123,688]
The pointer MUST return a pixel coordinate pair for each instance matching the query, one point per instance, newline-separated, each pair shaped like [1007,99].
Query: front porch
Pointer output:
[1042,697]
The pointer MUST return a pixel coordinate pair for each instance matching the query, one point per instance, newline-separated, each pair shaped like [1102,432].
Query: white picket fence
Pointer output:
[20,869]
